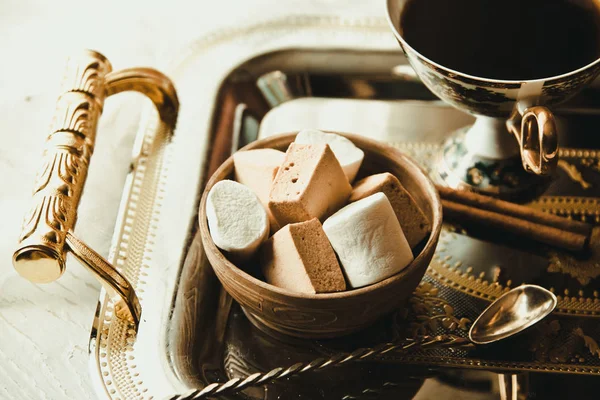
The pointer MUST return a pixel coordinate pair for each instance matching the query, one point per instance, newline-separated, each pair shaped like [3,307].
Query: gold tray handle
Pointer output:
[47,228]
[153,84]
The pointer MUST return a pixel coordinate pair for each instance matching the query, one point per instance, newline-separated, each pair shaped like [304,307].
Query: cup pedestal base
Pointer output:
[468,162]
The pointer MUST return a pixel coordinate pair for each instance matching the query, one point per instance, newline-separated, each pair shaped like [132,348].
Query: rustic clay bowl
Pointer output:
[331,314]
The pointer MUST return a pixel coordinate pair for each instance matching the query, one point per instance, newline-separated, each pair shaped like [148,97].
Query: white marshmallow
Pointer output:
[237,221]
[368,240]
[349,156]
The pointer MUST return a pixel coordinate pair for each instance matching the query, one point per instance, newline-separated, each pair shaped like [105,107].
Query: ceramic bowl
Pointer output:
[330,314]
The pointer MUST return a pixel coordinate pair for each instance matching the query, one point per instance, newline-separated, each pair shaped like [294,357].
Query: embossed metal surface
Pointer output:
[47,229]
[471,270]
[192,334]
[41,253]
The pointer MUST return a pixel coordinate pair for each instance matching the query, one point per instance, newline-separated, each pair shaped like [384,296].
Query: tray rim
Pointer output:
[375,29]
[116,382]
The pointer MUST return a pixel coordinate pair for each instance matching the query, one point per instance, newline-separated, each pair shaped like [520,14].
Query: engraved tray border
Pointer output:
[158,204]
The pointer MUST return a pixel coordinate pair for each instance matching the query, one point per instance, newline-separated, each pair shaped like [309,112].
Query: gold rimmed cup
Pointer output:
[484,157]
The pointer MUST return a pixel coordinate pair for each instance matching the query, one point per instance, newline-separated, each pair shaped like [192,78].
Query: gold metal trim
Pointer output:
[41,254]
[433,312]
[127,305]
[574,174]
[47,228]
[151,83]
[464,281]
[535,131]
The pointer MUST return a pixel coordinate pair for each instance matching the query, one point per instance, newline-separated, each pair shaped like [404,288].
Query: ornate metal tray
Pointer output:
[346,76]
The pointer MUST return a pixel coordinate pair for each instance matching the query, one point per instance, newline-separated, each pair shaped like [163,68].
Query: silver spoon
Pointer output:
[509,314]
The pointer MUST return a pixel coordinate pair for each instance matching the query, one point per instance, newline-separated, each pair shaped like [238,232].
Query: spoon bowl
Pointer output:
[511,313]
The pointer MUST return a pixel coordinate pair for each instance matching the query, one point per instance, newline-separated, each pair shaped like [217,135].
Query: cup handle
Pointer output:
[535,130]
[47,228]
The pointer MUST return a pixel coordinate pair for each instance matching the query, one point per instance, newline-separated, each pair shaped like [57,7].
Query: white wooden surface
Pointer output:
[44,329]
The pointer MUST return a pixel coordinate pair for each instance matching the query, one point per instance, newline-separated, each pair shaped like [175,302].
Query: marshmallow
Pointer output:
[349,156]
[414,223]
[309,184]
[237,221]
[368,240]
[299,258]
[257,169]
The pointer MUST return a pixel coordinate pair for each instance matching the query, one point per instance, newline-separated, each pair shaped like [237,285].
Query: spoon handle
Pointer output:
[319,364]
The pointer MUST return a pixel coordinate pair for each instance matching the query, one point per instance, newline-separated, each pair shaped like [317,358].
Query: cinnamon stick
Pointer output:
[515,210]
[544,233]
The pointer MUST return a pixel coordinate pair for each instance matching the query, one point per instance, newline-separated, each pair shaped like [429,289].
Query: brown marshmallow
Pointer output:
[414,223]
[300,258]
[309,184]
[256,169]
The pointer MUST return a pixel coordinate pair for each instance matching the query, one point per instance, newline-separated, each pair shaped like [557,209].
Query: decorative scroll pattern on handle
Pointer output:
[57,191]
[276,374]
[47,227]
[86,73]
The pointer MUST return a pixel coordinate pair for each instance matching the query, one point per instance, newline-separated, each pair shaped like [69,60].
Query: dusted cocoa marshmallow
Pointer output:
[414,223]
[300,259]
[257,169]
[309,184]
[237,221]
[349,156]
[368,240]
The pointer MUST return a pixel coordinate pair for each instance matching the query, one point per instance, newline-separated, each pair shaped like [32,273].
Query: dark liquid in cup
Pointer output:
[504,39]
